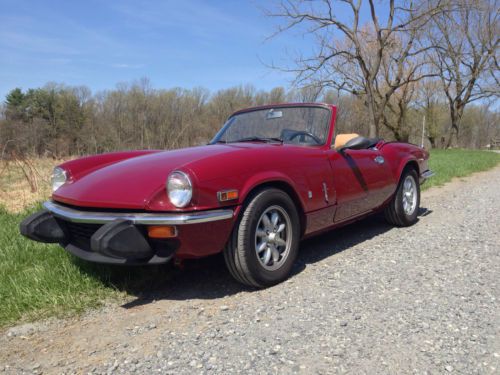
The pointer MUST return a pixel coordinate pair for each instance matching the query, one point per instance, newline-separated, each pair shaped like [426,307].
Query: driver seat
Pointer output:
[342,139]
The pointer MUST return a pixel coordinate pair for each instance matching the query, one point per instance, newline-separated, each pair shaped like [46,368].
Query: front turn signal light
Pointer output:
[227,195]
[162,231]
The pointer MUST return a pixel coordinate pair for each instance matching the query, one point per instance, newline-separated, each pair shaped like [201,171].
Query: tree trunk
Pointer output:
[432,140]
[456,116]
[453,138]
[374,117]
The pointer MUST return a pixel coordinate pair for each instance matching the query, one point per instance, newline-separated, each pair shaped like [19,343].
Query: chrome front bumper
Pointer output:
[150,218]
[111,237]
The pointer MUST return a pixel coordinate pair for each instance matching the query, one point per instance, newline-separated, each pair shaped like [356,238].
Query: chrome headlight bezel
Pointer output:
[59,178]
[179,189]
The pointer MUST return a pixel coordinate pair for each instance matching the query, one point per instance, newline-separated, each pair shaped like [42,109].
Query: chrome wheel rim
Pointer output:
[273,238]
[409,195]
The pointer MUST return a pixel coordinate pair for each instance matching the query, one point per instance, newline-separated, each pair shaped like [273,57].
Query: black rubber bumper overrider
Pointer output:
[117,242]
[42,227]
[121,239]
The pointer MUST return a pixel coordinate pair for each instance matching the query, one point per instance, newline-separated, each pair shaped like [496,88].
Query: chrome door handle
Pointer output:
[379,159]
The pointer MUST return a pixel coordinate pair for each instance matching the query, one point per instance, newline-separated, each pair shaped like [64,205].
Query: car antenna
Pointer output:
[423,132]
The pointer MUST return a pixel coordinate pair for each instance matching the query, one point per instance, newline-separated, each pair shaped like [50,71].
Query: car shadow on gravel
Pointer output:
[208,278]
[335,241]
[317,248]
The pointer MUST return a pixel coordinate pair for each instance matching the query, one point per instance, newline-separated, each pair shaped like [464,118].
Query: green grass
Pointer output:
[39,280]
[42,280]
[448,164]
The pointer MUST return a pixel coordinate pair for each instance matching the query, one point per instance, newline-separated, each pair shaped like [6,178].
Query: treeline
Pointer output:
[59,121]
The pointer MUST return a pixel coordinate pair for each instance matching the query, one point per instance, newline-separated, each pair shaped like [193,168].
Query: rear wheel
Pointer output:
[264,243]
[403,208]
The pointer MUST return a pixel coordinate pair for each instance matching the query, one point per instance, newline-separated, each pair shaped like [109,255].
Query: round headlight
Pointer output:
[59,178]
[179,189]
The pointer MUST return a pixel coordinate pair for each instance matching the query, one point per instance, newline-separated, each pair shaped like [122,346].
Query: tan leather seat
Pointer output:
[342,139]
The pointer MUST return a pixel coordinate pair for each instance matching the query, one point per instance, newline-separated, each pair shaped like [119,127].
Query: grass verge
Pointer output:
[448,164]
[39,280]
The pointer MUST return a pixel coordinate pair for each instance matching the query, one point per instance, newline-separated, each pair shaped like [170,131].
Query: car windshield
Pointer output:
[296,125]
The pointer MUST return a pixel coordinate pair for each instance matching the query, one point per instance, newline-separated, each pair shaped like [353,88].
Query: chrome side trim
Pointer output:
[427,174]
[89,217]
[325,192]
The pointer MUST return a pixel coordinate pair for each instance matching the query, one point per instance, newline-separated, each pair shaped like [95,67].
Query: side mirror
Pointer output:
[358,143]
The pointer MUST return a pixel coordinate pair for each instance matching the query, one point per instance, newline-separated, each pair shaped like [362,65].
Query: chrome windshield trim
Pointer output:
[427,174]
[89,217]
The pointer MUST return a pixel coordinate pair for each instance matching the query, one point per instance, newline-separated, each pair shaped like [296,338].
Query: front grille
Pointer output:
[79,234]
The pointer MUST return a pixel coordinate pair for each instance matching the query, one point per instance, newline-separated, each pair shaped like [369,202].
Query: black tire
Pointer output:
[240,253]
[395,213]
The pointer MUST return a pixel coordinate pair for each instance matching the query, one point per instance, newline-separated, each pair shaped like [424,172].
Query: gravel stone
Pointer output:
[364,299]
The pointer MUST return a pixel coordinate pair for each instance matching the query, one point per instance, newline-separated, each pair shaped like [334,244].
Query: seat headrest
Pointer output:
[342,139]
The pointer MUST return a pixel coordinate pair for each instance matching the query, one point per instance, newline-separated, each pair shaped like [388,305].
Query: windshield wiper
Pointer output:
[260,139]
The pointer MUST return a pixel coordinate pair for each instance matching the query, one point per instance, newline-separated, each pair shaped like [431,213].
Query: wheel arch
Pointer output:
[407,164]
[392,209]
[284,186]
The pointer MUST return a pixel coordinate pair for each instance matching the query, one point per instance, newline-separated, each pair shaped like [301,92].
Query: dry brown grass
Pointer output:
[24,183]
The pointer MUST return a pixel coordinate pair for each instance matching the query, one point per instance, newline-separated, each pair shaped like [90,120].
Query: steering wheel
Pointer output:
[305,134]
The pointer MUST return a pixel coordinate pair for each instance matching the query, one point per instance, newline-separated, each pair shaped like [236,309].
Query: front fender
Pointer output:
[79,167]
[269,177]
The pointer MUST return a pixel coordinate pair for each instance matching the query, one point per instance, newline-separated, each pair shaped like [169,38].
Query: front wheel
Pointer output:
[403,208]
[264,243]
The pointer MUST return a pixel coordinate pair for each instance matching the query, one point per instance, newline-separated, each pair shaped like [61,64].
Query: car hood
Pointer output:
[134,182]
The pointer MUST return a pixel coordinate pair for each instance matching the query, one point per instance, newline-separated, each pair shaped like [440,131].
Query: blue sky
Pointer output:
[175,43]
[183,43]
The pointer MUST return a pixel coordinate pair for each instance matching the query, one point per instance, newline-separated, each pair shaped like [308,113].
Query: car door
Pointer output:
[361,179]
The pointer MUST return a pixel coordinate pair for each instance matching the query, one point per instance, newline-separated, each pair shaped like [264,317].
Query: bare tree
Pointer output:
[466,55]
[395,119]
[306,94]
[430,102]
[367,60]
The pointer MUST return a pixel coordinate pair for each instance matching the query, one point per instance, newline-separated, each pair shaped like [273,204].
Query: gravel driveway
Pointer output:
[365,299]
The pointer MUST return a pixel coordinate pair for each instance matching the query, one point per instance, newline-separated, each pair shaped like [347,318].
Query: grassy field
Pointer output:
[38,280]
[448,164]
[41,280]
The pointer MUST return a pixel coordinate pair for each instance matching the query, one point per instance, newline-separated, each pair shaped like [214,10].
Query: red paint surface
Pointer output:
[356,185]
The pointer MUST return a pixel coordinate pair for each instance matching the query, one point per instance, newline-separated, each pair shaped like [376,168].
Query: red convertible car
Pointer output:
[270,177]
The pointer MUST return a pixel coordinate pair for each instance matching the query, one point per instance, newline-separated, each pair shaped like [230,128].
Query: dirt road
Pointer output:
[367,298]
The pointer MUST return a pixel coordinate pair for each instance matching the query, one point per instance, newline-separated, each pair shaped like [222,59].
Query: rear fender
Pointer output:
[400,155]
[410,161]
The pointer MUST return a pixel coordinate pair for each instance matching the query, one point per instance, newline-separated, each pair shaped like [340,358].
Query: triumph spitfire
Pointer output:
[270,177]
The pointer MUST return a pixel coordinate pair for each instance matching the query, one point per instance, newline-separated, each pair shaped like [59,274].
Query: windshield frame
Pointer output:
[330,108]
